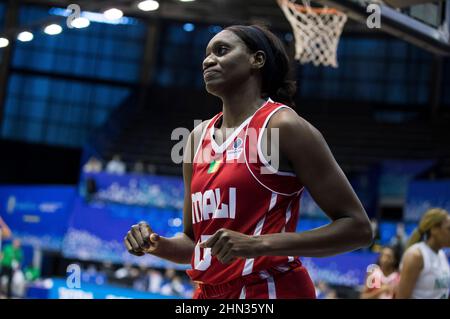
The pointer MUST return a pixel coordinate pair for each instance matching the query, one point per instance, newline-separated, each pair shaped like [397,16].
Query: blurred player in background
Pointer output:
[385,274]
[10,260]
[5,232]
[239,221]
[425,272]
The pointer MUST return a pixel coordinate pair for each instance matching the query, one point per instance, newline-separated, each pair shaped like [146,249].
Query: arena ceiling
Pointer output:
[222,12]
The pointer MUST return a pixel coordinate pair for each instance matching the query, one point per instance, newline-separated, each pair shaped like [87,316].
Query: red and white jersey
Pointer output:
[231,188]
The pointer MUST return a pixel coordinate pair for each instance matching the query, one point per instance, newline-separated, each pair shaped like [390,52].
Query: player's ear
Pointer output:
[258,59]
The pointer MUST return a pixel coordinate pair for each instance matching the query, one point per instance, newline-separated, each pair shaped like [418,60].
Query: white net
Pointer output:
[316,32]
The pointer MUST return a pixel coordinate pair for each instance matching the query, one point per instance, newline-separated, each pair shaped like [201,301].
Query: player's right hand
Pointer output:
[141,240]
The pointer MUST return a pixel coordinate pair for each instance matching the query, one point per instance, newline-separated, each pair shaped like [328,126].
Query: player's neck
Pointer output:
[433,245]
[240,104]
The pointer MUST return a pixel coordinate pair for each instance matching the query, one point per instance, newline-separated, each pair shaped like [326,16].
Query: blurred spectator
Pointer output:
[91,188]
[323,291]
[134,273]
[127,275]
[174,288]
[5,232]
[116,166]
[375,247]
[400,240]
[11,258]
[123,272]
[166,287]
[107,269]
[384,277]
[32,273]
[155,280]
[93,165]
[189,289]
[18,283]
[141,282]
[92,275]
[139,168]
[169,274]
[332,294]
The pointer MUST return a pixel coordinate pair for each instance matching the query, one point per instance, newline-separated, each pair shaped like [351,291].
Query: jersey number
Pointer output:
[202,259]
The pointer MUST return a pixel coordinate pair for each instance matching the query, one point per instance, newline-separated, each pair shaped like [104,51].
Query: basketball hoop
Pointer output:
[316,32]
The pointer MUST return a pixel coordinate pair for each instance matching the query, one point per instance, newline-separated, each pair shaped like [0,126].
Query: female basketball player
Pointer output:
[241,212]
[385,274]
[425,272]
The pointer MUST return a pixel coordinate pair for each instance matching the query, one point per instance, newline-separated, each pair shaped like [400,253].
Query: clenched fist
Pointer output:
[228,245]
[141,239]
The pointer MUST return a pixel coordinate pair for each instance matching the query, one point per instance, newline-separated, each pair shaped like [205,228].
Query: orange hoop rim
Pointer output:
[304,9]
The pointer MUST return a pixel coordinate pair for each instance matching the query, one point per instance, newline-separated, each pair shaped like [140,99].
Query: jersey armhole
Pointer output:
[259,148]
[264,161]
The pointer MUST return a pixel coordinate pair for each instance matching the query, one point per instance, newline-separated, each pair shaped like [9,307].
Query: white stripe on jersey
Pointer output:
[264,274]
[273,201]
[248,266]
[288,217]
[271,288]
[243,293]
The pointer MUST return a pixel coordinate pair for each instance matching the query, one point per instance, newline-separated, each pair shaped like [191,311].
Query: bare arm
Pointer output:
[374,293]
[306,150]
[412,266]
[179,249]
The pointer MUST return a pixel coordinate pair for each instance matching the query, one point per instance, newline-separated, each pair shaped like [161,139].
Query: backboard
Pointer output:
[422,22]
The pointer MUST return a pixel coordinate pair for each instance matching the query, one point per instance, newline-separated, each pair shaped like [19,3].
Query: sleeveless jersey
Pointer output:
[234,187]
[434,279]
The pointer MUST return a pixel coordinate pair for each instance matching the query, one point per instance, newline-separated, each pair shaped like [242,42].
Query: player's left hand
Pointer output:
[227,245]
